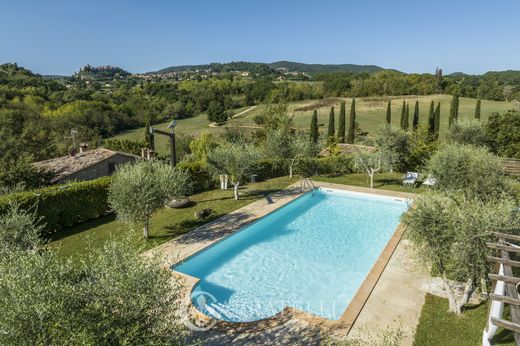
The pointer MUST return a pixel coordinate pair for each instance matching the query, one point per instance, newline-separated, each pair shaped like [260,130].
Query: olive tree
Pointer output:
[467,132]
[237,160]
[472,170]
[371,163]
[394,145]
[113,296]
[140,189]
[449,232]
[289,148]
[19,229]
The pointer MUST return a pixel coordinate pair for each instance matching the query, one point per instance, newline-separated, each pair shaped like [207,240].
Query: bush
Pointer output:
[259,119]
[125,145]
[270,168]
[63,206]
[341,164]
[114,296]
[503,133]
[467,132]
[201,177]
[394,145]
[472,170]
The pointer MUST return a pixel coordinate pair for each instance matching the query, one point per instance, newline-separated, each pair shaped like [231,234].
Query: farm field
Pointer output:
[370,114]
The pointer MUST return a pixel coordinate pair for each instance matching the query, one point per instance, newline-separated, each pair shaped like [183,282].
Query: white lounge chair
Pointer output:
[430,181]
[410,179]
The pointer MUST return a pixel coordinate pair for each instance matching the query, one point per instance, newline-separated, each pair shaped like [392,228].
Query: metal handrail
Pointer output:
[307,183]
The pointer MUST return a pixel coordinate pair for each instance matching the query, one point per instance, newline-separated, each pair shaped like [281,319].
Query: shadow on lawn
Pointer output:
[503,337]
[82,227]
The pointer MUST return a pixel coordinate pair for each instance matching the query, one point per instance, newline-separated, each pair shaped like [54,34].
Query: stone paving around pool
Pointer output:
[394,302]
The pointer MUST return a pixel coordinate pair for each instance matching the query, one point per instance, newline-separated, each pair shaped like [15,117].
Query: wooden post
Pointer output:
[172,150]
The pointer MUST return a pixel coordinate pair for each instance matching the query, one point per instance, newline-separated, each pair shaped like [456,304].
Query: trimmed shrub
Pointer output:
[125,145]
[269,168]
[201,177]
[341,164]
[63,206]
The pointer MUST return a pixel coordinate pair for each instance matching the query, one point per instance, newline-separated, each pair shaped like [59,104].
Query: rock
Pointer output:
[178,203]
[204,213]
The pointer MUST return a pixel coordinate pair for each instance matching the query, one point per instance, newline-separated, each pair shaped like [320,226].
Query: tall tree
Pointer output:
[437,120]
[389,112]
[406,124]
[416,116]
[438,79]
[314,127]
[341,125]
[477,109]
[403,114]
[454,109]
[351,136]
[431,119]
[330,131]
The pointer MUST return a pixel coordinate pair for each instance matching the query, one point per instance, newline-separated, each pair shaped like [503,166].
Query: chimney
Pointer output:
[83,147]
[146,153]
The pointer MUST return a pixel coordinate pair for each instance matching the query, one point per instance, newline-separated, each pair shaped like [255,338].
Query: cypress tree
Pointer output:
[314,128]
[431,119]
[389,112]
[330,132]
[352,123]
[406,124]
[437,120]
[454,109]
[477,109]
[341,125]
[403,114]
[416,116]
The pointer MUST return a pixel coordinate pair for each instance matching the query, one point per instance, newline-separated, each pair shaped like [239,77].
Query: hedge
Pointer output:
[62,206]
[201,178]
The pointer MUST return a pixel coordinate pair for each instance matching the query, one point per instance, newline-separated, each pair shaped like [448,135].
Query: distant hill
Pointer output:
[271,67]
[242,66]
[310,68]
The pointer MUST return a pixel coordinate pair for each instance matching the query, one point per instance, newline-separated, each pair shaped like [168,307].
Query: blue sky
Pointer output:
[58,37]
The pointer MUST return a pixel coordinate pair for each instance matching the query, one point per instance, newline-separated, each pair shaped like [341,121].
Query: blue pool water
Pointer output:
[312,254]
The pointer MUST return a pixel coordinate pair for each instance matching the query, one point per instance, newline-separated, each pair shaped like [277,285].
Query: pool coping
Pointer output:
[345,323]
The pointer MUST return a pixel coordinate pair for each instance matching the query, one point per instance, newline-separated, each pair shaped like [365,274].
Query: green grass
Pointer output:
[439,327]
[370,114]
[166,224]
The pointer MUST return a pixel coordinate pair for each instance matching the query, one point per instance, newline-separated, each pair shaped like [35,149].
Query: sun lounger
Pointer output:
[430,181]
[410,179]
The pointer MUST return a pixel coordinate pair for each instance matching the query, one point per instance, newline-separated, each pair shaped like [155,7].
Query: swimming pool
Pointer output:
[312,254]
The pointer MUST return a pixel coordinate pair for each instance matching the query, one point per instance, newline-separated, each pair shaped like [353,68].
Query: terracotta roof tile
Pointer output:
[66,165]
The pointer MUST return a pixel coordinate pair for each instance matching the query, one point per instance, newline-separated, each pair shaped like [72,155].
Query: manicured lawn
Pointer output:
[166,224]
[384,181]
[438,327]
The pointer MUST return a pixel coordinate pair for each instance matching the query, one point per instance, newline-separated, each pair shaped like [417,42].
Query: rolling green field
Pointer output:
[370,114]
